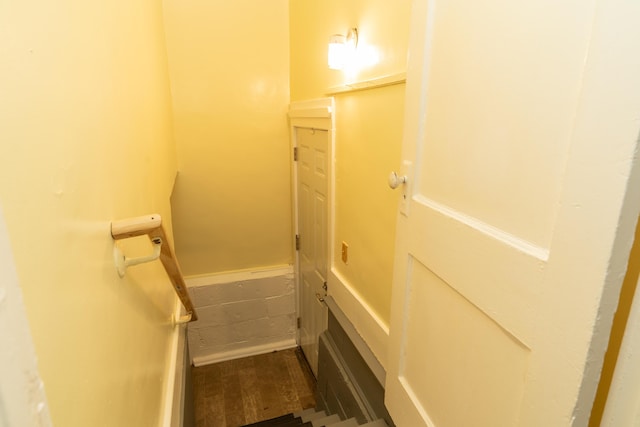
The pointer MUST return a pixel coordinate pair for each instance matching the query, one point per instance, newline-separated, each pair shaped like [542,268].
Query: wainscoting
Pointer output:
[242,314]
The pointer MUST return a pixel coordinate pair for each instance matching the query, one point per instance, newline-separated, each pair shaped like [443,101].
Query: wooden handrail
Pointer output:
[151,225]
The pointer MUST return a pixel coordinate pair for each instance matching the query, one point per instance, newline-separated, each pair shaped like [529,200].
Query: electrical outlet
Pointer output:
[345,252]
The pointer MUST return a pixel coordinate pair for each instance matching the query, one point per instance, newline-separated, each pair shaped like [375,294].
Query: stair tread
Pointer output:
[325,421]
[313,416]
[377,423]
[288,420]
[307,411]
[351,422]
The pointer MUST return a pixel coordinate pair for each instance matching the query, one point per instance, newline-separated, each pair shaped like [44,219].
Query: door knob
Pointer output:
[395,180]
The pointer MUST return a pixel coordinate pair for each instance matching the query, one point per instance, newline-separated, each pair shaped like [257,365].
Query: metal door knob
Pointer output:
[395,180]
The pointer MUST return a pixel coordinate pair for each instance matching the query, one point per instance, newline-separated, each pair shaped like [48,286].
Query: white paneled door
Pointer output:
[521,128]
[313,186]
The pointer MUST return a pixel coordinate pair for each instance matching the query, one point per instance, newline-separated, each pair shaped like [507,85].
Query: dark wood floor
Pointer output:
[242,391]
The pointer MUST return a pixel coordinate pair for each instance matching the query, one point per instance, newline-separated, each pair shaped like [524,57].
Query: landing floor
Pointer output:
[243,391]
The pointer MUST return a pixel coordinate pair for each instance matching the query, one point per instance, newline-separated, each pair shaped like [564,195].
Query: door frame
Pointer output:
[622,405]
[315,114]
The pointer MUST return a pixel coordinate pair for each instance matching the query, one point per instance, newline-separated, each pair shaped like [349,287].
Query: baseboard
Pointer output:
[238,276]
[244,352]
[348,384]
[366,322]
[174,393]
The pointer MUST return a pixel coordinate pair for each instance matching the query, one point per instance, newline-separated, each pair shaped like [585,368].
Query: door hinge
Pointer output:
[298,322]
[297,242]
[295,154]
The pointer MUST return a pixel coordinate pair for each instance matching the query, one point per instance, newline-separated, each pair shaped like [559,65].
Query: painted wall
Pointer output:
[242,314]
[383,29]
[368,134]
[229,66]
[86,138]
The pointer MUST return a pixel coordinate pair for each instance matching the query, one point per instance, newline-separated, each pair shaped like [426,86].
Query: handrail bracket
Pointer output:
[151,225]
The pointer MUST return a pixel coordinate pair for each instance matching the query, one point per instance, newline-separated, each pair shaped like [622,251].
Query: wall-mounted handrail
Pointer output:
[151,225]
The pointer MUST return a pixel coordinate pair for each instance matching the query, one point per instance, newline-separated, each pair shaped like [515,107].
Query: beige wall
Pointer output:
[85,138]
[368,131]
[229,65]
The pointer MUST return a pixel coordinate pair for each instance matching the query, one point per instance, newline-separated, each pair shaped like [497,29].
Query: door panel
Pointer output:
[503,87]
[512,243]
[469,354]
[312,218]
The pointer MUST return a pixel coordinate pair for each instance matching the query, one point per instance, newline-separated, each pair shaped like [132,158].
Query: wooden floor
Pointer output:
[242,391]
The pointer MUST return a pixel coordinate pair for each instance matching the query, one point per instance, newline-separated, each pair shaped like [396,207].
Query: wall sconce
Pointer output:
[342,49]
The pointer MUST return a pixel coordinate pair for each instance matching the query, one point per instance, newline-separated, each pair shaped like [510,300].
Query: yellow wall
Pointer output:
[85,138]
[229,66]
[383,26]
[368,130]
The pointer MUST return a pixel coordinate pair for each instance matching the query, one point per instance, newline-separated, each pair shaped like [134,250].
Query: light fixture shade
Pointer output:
[337,52]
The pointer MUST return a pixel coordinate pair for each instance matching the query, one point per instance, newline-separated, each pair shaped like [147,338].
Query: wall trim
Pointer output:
[238,276]
[173,389]
[312,108]
[350,379]
[366,322]
[622,406]
[382,81]
[358,342]
[244,352]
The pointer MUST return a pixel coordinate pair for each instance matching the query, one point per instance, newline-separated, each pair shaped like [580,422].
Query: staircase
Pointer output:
[350,391]
[313,418]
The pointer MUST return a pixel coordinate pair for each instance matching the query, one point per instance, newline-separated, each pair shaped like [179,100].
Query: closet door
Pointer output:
[313,185]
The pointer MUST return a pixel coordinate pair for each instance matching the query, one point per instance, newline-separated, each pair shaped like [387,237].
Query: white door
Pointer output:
[313,185]
[521,128]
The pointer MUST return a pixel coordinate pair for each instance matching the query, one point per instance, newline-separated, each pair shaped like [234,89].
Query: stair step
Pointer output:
[351,422]
[295,422]
[377,423]
[283,421]
[313,416]
[325,421]
[307,411]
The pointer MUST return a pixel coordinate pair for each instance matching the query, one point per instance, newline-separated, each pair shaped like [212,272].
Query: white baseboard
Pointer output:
[173,403]
[367,323]
[237,276]
[244,352]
